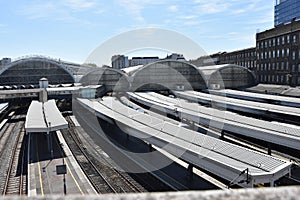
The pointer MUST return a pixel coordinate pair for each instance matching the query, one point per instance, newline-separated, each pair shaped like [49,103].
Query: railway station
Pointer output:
[163,126]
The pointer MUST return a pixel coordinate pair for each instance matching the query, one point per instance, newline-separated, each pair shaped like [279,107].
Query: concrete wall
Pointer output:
[284,193]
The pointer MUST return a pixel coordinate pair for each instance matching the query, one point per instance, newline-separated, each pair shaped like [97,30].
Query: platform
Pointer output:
[43,172]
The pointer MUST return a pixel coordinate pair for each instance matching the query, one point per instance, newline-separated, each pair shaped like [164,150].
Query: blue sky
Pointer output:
[72,29]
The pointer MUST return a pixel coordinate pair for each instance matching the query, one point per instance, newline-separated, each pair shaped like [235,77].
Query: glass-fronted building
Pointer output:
[286,11]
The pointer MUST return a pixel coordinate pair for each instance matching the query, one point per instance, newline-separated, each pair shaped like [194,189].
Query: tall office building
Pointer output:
[286,11]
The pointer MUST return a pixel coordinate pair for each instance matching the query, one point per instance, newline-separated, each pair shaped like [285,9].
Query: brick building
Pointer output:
[278,54]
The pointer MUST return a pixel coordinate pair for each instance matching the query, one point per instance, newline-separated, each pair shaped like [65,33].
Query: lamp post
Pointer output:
[50,139]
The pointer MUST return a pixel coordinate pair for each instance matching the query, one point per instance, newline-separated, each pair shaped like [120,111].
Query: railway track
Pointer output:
[12,157]
[104,177]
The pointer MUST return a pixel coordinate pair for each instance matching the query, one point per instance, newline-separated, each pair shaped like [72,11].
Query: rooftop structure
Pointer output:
[169,74]
[142,60]
[27,71]
[112,79]
[227,76]
[44,117]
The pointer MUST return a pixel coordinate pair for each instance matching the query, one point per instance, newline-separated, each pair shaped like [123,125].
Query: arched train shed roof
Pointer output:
[29,70]
[112,79]
[167,74]
[228,76]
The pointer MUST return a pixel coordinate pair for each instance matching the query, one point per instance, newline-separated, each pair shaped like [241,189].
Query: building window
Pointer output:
[298,67]
[278,52]
[293,68]
[294,39]
[294,55]
[282,52]
[287,66]
[274,42]
[288,52]
[273,66]
[288,39]
[278,41]
[274,54]
[283,40]
[298,80]
[282,65]
[270,43]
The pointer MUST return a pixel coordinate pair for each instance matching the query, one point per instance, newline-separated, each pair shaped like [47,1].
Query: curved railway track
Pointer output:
[12,157]
[103,177]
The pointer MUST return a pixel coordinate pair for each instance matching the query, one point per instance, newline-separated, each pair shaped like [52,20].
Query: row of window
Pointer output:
[273,78]
[279,79]
[277,54]
[278,66]
[281,40]
[242,55]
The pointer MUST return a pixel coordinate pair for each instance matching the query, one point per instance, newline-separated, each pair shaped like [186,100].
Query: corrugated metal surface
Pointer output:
[283,128]
[227,155]
[289,101]
[278,133]
[44,117]
[242,103]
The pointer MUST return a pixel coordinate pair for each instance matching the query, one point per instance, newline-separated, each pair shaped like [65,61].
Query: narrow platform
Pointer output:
[43,177]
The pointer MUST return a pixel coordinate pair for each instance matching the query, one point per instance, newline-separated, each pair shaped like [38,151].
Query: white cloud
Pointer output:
[135,7]
[64,10]
[173,8]
[79,5]
[191,23]
[239,11]
[233,33]
[38,11]
[212,6]
[188,17]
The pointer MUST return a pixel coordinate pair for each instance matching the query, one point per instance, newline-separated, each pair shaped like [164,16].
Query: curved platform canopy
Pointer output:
[44,117]
[170,75]
[228,76]
[29,70]
[112,79]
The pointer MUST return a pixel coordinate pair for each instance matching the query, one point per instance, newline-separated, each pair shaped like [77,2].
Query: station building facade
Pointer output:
[278,54]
